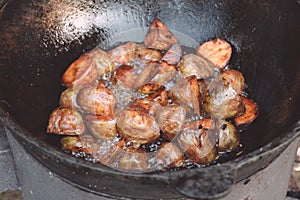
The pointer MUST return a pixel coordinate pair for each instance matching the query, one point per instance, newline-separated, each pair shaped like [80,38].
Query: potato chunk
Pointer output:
[97,100]
[65,121]
[217,51]
[159,36]
[136,125]
[170,120]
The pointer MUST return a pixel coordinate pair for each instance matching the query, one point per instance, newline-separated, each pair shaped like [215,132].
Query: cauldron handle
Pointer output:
[204,183]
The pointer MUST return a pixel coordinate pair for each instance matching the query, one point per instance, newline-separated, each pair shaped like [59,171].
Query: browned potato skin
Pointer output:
[88,68]
[169,155]
[134,160]
[65,121]
[229,139]
[159,36]
[146,75]
[187,93]
[123,54]
[101,83]
[202,84]
[150,88]
[250,114]
[207,141]
[161,97]
[235,79]
[191,64]
[147,103]
[124,75]
[81,72]
[152,102]
[68,98]
[200,124]
[170,119]
[164,73]
[173,55]
[85,144]
[136,125]
[221,101]
[103,128]
[199,149]
[147,54]
[217,51]
[104,63]
[97,100]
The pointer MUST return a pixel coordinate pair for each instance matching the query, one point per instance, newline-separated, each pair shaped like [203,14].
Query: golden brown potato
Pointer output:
[221,101]
[229,138]
[235,79]
[136,125]
[84,145]
[65,121]
[123,54]
[159,36]
[104,63]
[134,160]
[97,100]
[161,97]
[146,74]
[103,128]
[147,103]
[173,55]
[199,145]
[164,73]
[170,120]
[217,51]
[68,98]
[207,141]
[147,54]
[202,84]
[87,146]
[150,88]
[152,102]
[101,83]
[81,72]
[199,124]
[88,68]
[250,114]
[187,93]
[124,75]
[192,64]
[169,155]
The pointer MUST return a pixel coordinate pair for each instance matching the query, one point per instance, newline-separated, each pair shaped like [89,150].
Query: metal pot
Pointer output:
[39,39]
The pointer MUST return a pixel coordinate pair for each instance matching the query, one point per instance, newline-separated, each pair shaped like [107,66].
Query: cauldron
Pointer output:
[39,39]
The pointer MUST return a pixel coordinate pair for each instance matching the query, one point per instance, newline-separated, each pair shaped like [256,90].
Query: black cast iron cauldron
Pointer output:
[39,39]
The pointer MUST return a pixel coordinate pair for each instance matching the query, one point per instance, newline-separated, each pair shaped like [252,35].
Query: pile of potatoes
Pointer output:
[149,106]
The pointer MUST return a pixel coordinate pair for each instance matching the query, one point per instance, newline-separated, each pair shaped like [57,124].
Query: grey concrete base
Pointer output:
[37,182]
[270,183]
[8,178]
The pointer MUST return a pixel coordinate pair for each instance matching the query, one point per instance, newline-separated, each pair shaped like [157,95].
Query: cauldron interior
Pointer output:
[39,39]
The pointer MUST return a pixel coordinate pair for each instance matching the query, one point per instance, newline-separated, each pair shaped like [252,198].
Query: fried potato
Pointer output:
[217,51]
[159,36]
[65,121]
[250,113]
